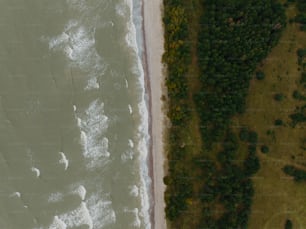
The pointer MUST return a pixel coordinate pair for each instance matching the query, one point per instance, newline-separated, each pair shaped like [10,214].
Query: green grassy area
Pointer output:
[277,197]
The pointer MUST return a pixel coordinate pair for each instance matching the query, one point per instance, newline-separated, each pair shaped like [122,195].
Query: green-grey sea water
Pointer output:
[73,117]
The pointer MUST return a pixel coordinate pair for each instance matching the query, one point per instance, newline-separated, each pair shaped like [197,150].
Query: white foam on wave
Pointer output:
[64,160]
[121,9]
[134,190]
[143,130]
[127,155]
[79,122]
[77,42]
[57,224]
[16,194]
[131,143]
[55,197]
[101,211]
[93,125]
[135,212]
[81,191]
[74,108]
[36,171]
[77,217]
[77,4]
[130,109]
[92,84]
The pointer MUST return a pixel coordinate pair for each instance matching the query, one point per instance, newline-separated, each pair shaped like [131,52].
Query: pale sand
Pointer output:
[154,42]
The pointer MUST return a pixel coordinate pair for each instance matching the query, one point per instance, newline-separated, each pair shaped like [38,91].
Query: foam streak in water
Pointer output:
[64,160]
[77,42]
[93,125]
[101,211]
[77,217]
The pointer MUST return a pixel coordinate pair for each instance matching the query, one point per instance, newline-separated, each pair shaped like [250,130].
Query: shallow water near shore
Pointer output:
[73,115]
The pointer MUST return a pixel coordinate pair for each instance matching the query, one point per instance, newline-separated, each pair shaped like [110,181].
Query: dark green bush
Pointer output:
[301,52]
[253,137]
[298,174]
[251,165]
[260,75]
[244,134]
[297,95]
[278,122]
[264,149]
[288,224]
[279,97]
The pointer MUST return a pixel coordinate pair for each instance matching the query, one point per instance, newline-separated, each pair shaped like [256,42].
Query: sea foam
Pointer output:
[143,130]
[64,160]
[77,217]
[134,191]
[81,191]
[16,194]
[77,42]
[36,171]
[93,125]
[131,143]
[135,212]
[57,224]
[101,211]
[55,197]
[130,109]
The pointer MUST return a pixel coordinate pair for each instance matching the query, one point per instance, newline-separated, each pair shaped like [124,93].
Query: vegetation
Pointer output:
[288,224]
[244,134]
[260,75]
[278,122]
[301,16]
[297,95]
[299,116]
[277,196]
[279,97]
[298,174]
[264,149]
[227,58]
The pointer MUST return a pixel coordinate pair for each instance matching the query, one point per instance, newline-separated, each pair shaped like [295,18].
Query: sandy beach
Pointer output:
[154,42]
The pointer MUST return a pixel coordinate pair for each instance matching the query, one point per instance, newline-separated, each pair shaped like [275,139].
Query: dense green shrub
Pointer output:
[244,134]
[278,122]
[301,18]
[228,56]
[288,224]
[253,137]
[301,52]
[279,97]
[252,148]
[251,165]
[297,95]
[303,28]
[299,175]
[264,149]
[260,75]
[297,118]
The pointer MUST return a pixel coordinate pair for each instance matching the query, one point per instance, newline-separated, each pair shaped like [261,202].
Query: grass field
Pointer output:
[277,196]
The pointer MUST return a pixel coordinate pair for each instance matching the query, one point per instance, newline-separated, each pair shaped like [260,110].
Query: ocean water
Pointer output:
[73,115]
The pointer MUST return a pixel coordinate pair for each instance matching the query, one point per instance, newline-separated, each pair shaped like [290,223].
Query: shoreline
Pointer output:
[153,42]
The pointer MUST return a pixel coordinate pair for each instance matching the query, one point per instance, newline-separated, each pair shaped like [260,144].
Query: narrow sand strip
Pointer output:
[154,42]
